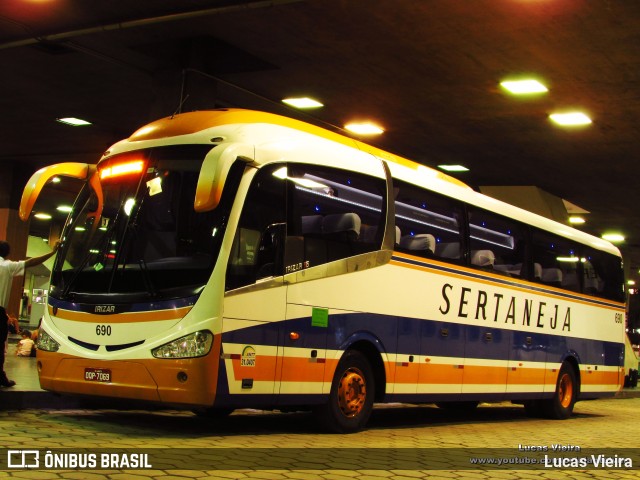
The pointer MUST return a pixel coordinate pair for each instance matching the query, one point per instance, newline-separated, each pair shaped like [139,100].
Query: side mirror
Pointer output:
[39,179]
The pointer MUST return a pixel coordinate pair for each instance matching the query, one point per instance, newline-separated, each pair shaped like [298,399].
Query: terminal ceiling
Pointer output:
[427,71]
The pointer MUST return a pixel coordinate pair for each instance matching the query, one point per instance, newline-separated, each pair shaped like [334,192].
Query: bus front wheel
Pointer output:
[351,397]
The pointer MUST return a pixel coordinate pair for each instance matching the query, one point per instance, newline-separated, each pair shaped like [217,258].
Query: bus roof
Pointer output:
[193,123]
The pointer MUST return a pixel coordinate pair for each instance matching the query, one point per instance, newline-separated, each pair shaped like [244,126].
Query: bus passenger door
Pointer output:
[255,298]
[252,315]
[485,364]
[303,336]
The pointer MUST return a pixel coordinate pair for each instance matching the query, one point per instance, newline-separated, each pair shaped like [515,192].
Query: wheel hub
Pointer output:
[352,392]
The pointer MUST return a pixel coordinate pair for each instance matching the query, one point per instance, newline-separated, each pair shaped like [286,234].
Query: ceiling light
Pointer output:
[453,168]
[364,128]
[42,216]
[576,220]
[302,102]
[613,237]
[524,87]
[64,208]
[76,122]
[570,119]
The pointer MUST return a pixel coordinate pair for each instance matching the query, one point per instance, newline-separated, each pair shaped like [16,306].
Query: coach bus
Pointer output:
[230,258]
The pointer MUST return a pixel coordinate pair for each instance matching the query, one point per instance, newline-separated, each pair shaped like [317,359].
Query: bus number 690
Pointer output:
[104,330]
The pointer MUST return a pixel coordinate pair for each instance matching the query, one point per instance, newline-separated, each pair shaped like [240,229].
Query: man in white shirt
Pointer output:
[8,270]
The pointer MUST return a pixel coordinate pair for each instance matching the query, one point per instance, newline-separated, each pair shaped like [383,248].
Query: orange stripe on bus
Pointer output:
[593,377]
[152,316]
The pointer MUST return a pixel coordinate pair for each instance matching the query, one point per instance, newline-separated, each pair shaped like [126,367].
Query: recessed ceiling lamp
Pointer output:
[453,168]
[575,220]
[42,216]
[302,102]
[64,208]
[524,87]
[613,237]
[571,119]
[75,122]
[366,128]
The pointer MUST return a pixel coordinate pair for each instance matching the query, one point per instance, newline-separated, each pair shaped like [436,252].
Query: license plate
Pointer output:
[97,375]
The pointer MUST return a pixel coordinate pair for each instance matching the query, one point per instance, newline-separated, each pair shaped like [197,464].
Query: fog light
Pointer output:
[182,377]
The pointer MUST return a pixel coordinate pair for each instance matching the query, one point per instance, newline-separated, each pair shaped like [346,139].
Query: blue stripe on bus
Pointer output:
[410,336]
[506,281]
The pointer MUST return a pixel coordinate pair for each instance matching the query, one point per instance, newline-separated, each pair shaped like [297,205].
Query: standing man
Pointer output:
[8,270]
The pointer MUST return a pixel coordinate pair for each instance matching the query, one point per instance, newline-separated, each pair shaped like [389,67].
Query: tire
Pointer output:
[351,397]
[560,407]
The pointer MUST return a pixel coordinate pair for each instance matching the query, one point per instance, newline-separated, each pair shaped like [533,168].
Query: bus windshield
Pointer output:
[134,235]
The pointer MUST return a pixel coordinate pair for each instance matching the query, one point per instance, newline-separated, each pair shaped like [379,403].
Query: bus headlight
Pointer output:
[46,343]
[196,344]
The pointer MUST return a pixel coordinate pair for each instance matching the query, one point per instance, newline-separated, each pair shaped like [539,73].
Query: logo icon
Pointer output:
[23,458]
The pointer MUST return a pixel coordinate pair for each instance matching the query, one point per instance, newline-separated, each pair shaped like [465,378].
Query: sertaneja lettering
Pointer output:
[479,305]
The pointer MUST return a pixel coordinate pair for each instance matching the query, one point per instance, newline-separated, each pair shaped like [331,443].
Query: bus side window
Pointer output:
[259,239]
[496,243]
[557,260]
[333,214]
[427,224]
[603,275]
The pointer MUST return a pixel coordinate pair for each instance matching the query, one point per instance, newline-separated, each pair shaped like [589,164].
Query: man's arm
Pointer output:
[33,261]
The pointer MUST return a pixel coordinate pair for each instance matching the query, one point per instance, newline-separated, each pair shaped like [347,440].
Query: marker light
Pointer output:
[122,169]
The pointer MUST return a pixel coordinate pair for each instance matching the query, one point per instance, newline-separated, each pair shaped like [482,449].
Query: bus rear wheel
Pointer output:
[560,407]
[351,397]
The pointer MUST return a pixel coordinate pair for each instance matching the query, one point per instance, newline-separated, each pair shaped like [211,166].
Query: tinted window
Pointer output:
[257,245]
[556,261]
[496,243]
[334,214]
[427,224]
[603,275]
